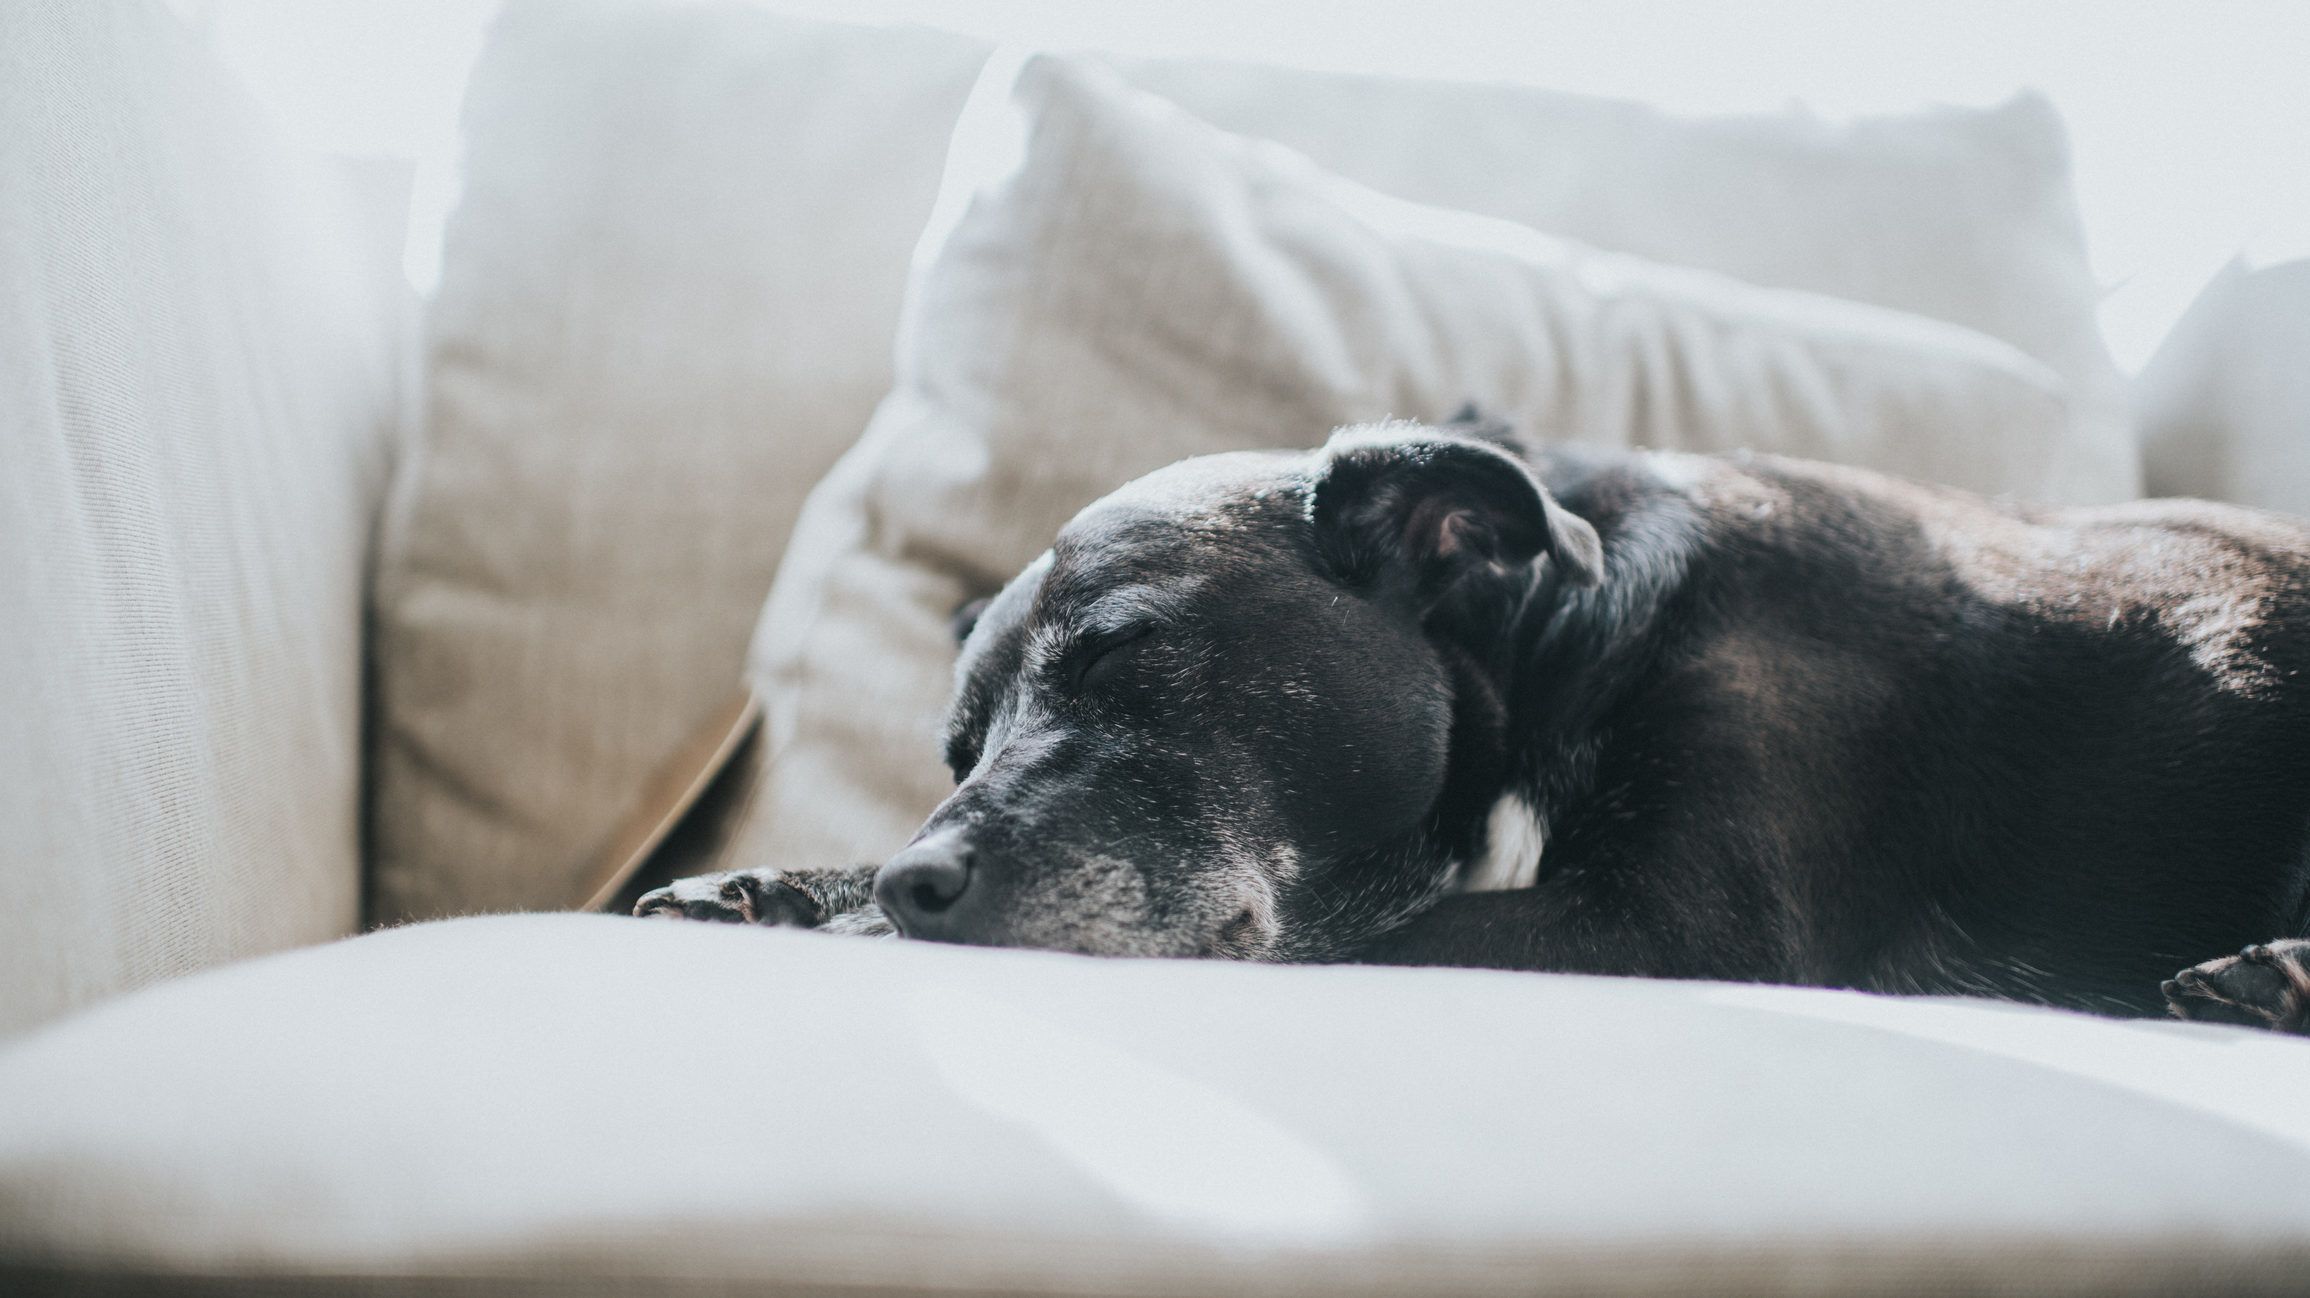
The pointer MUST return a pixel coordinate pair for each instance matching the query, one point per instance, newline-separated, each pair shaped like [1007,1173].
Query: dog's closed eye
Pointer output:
[1097,658]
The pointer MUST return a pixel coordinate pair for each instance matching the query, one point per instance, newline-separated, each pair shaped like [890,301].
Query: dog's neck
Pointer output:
[1569,657]
[1532,687]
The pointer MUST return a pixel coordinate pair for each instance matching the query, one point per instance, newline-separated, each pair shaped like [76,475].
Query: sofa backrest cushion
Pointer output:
[665,308]
[200,347]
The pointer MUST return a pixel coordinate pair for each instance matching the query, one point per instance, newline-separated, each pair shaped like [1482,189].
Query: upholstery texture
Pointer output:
[1124,286]
[585,1104]
[668,303]
[199,350]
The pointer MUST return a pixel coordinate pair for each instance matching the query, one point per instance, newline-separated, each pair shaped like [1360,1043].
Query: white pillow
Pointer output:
[2225,403]
[1123,285]
[577,1104]
[1963,215]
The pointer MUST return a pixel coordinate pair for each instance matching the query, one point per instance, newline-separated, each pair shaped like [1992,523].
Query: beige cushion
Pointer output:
[199,346]
[668,302]
[1126,286]
[665,308]
[583,1104]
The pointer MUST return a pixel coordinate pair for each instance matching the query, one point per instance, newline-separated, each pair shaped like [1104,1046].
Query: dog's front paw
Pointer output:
[738,897]
[2262,986]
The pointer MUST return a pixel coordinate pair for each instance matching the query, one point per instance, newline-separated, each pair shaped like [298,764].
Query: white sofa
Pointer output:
[213,441]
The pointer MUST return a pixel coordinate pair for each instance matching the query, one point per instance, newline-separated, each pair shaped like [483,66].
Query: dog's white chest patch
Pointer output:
[1512,842]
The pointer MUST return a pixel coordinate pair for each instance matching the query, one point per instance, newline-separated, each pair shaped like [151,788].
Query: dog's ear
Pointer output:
[966,616]
[1442,506]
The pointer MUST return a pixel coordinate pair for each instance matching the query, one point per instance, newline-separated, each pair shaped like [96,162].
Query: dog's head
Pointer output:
[1248,705]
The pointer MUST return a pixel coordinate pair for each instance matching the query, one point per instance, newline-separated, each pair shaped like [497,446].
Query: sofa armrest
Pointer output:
[199,369]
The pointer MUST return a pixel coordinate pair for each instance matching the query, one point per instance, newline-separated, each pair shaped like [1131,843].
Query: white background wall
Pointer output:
[2190,118]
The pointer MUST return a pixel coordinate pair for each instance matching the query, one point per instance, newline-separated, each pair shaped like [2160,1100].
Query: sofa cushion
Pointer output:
[2225,402]
[1124,286]
[1964,215]
[665,308]
[580,1104]
[200,347]
[669,296]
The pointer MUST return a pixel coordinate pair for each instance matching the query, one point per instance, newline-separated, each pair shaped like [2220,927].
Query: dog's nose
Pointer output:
[922,888]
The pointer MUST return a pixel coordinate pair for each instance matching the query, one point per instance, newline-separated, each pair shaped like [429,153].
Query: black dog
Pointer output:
[1772,721]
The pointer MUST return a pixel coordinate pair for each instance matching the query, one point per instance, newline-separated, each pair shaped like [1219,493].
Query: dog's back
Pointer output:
[1962,747]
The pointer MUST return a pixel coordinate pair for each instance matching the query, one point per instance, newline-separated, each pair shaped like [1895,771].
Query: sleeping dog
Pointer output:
[1421,697]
